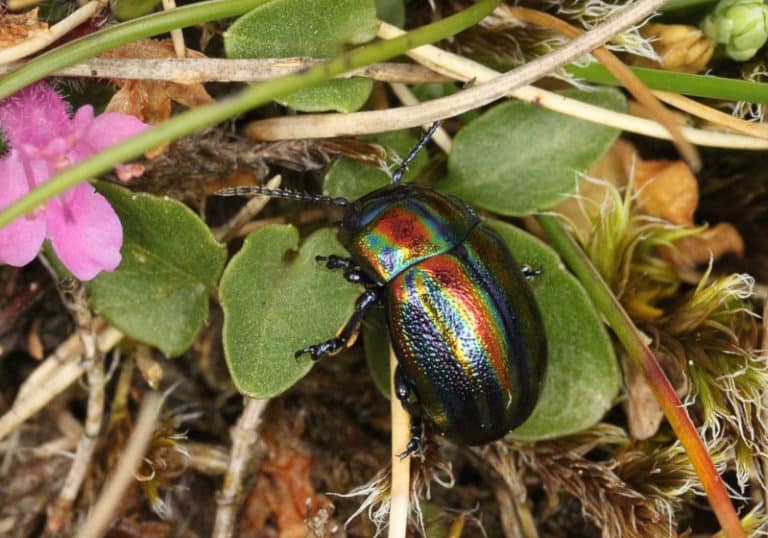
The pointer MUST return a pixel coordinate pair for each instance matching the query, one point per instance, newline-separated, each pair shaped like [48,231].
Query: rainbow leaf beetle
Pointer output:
[462,320]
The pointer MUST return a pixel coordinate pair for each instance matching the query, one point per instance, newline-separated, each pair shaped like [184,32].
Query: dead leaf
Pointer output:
[284,492]
[17,28]
[667,189]
[664,189]
[150,100]
[644,414]
[712,243]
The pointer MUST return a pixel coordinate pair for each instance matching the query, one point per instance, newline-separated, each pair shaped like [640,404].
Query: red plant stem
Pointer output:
[638,351]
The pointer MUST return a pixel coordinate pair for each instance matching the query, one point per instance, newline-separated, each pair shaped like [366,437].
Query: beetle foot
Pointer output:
[334,262]
[352,272]
[414,445]
[318,351]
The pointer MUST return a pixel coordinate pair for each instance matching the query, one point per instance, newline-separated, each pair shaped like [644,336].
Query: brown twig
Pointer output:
[194,70]
[77,302]
[52,377]
[464,69]
[244,436]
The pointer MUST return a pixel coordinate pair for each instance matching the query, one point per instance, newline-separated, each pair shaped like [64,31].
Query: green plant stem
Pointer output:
[707,86]
[114,36]
[674,5]
[641,355]
[190,121]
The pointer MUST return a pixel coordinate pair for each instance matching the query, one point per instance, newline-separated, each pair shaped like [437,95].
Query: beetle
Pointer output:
[462,319]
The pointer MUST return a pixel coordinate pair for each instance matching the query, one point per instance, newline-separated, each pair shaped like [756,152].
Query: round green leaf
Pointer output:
[286,28]
[341,95]
[518,158]
[583,375]
[391,11]
[276,302]
[171,262]
[352,179]
[319,29]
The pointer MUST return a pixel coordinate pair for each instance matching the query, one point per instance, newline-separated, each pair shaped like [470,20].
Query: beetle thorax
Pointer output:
[392,228]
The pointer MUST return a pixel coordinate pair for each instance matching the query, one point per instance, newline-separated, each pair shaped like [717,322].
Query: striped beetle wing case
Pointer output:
[462,319]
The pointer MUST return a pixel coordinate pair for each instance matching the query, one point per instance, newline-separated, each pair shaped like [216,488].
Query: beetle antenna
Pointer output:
[282,193]
[398,175]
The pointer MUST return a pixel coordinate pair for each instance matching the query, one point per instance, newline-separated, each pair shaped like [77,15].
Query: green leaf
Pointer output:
[583,374]
[341,95]
[318,29]
[171,262]
[276,302]
[352,179]
[708,86]
[518,158]
[391,11]
[376,344]
[124,10]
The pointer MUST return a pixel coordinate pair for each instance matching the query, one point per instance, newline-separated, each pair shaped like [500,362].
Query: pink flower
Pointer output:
[43,139]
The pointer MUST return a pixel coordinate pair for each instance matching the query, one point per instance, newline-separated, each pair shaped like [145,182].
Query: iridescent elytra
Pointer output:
[462,318]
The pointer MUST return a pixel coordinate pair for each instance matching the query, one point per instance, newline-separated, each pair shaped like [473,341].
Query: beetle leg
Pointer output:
[352,272]
[414,445]
[350,329]
[335,262]
[404,389]
[530,272]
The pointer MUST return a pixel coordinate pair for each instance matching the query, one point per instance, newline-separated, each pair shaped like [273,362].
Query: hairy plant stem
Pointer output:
[643,358]
[192,120]
[244,437]
[76,301]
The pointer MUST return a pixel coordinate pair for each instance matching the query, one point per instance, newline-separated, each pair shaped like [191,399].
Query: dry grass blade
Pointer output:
[710,114]
[464,69]
[55,32]
[621,72]
[109,500]
[401,468]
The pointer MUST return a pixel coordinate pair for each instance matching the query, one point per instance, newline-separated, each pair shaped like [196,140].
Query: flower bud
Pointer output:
[680,47]
[740,25]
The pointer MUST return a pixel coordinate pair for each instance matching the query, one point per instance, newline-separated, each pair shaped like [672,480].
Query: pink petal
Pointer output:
[20,240]
[84,231]
[34,115]
[109,129]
